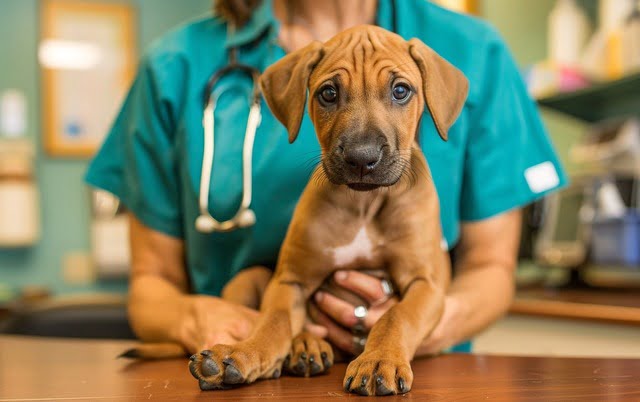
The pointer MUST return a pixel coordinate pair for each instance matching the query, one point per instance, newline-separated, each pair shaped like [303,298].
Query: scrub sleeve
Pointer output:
[509,159]
[137,162]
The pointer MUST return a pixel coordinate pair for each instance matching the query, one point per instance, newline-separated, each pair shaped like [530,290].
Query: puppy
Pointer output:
[370,204]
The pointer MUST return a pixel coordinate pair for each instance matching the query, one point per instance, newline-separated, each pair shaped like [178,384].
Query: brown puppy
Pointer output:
[370,204]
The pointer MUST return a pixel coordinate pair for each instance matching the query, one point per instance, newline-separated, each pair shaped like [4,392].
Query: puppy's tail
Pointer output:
[154,351]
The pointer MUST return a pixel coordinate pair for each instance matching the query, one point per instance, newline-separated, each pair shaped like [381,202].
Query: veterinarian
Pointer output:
[497,159]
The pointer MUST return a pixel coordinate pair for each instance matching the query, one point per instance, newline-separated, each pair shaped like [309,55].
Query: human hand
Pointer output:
[447,332]
[334,317]
[209,321]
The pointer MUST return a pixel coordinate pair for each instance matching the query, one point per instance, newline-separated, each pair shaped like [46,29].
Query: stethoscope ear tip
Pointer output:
[246,218]
[205,224]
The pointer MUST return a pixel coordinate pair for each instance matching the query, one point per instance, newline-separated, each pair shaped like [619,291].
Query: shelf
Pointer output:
[619,98]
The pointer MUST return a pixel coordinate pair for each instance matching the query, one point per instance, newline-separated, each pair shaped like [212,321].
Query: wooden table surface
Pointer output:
[42,369]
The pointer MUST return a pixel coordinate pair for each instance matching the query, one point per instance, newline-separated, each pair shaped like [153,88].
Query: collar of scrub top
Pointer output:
[263,19]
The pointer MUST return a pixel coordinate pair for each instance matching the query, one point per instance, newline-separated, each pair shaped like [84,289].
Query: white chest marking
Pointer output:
[360,247]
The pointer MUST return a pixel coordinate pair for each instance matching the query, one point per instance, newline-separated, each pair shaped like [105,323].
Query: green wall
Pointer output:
[64,197]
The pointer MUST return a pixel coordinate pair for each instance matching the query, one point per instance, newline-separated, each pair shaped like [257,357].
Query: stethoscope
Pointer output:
[244,216]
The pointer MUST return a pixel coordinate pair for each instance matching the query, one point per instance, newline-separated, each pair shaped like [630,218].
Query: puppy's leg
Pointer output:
[248,286]
[263,353]
[384,366]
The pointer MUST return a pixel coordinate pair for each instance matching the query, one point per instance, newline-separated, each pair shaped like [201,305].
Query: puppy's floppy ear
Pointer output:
[445,87]
[284,85]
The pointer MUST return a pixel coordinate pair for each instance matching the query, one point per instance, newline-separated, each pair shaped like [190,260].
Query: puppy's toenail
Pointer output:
[381,388]
[192,357]
[206,353]
[325,361]
[362,389]
[276,374]
[402,387]
[192,370]
[314,368]
[300,368]
[303,356]
[347,385]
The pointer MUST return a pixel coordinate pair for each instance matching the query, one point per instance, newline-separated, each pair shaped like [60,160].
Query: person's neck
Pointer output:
[307,20]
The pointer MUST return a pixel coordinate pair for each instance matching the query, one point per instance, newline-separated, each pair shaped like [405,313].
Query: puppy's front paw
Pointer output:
[309,356]
[375,373]
[225,366]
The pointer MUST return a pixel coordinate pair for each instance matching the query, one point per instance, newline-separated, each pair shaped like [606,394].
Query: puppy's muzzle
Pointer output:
[362,162]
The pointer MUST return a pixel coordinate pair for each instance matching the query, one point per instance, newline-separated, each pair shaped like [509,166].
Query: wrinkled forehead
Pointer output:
[364,55]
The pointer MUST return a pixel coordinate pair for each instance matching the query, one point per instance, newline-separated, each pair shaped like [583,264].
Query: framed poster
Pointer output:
[463,6]
[87,56]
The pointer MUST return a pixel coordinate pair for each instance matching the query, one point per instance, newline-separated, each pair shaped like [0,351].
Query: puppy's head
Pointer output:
[367,90]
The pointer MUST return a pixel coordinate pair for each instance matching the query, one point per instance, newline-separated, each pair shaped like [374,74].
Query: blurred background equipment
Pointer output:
[19,196]
[95,316]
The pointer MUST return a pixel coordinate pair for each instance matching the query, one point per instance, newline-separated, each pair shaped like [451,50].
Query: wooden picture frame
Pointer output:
[88,56]
[463,6]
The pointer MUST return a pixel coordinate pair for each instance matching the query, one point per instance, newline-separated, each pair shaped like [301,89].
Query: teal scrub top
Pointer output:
[498,156]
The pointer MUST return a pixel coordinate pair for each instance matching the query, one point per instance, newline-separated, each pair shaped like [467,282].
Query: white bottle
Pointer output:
[612,13]
[631,41]
[568,31]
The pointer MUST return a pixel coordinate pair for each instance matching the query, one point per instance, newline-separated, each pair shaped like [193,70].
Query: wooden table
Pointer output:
[41,369]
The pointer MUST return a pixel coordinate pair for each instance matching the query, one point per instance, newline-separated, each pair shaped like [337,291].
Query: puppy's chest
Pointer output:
[361,248]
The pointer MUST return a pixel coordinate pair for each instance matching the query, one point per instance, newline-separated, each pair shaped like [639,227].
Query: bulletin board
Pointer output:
[87,55]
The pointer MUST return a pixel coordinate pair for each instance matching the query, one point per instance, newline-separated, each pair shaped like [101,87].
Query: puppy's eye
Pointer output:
[400,93]
[328,95]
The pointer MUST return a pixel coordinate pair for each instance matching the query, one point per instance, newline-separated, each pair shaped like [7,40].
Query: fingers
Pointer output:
[370,288]
[336,335]
[338,309]
[343,313]
[317,330]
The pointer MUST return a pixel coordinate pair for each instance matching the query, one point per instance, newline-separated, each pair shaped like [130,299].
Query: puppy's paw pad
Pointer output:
[232,375]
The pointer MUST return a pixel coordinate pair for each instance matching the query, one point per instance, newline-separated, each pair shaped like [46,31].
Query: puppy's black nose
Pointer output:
[362,158]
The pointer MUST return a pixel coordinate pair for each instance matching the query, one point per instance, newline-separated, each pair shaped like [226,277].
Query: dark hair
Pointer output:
[237,12]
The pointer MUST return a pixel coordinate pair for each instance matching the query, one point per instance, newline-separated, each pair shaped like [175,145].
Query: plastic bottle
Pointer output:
[569,29]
